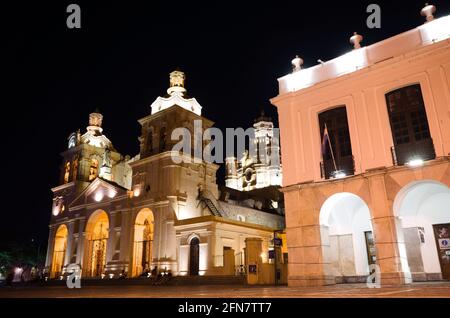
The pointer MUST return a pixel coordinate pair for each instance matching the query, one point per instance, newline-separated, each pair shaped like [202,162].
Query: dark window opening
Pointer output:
[409,125]
[337,159]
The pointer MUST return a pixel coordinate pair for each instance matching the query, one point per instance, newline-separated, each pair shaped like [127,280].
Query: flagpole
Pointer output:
[331,148]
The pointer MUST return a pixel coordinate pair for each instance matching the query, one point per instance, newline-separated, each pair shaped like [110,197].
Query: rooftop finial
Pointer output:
[176,82]
[428,11]
[356,39]
[95,119]
[297,63]
[95,123]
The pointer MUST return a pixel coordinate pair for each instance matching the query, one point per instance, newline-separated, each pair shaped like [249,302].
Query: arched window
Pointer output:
[93,169]
[74,168]
[409,125]
[336,145]
[66,172]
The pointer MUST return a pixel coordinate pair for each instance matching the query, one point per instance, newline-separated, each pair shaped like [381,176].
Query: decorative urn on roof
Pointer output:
[428,11]
[356,39]
[297,63]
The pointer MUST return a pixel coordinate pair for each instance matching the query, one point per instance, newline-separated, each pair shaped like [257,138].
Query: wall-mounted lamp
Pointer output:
[415,163]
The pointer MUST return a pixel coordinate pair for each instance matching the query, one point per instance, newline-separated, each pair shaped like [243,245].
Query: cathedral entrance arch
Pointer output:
[346,224]
[97,233]
[59,251]
[143,242]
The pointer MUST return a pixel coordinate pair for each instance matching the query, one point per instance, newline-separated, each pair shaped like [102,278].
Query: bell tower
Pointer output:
[86,158]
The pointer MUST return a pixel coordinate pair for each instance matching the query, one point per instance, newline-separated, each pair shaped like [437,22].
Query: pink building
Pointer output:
[366,149]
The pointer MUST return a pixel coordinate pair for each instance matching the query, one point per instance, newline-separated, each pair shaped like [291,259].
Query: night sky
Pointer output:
[119,61]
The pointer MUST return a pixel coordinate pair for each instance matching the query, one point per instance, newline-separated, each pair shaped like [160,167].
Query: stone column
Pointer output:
[112,237]
[253,246]
[126,239]
[388,234]
[211,241]
[69,245]
[50,247]
[81,242]
[307,241]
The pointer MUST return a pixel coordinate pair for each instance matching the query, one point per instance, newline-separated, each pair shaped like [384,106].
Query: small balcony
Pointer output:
[345,166]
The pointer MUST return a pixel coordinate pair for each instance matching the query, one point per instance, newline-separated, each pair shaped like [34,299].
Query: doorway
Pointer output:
[371,250]
[143,243]
[442,236]
[194,256]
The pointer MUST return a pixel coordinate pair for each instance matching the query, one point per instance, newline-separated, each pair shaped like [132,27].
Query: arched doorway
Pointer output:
[59,251]
[97,232]
[423,210]
[346,224]
[194,256]
[143,242]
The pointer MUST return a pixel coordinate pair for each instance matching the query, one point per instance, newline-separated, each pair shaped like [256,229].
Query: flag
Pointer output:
[325,140]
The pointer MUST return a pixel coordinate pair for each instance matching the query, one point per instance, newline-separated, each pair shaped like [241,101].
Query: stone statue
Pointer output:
[107,159]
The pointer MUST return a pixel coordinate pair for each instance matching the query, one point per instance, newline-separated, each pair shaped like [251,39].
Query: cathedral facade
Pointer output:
[114,215]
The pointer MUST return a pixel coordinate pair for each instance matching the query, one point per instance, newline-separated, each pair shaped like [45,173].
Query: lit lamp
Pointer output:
[98,196]
[338,174]
[111,193]
[416,162]
[137,191]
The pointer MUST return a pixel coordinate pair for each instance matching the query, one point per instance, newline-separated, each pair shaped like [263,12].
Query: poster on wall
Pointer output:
[444,244]
[422,234]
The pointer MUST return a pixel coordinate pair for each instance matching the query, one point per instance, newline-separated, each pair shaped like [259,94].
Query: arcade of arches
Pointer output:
[394,221]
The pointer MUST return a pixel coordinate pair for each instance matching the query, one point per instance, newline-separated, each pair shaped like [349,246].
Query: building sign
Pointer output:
[252,269]
[277,241]
[444,244]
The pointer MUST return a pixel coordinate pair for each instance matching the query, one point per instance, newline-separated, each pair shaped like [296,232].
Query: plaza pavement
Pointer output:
[415,290]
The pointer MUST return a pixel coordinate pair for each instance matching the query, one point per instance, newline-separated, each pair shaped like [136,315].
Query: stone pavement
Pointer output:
[415,290]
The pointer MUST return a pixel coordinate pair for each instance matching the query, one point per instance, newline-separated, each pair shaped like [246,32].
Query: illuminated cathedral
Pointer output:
[257,169]
[115,215]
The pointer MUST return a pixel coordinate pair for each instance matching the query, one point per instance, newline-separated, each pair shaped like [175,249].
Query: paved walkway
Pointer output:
[429,290]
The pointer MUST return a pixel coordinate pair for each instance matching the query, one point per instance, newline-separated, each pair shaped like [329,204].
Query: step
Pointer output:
[176,280]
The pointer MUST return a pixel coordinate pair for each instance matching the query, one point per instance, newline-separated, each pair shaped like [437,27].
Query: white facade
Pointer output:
[259,169]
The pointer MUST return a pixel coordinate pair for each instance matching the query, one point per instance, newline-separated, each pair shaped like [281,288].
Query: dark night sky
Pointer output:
[232,53]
